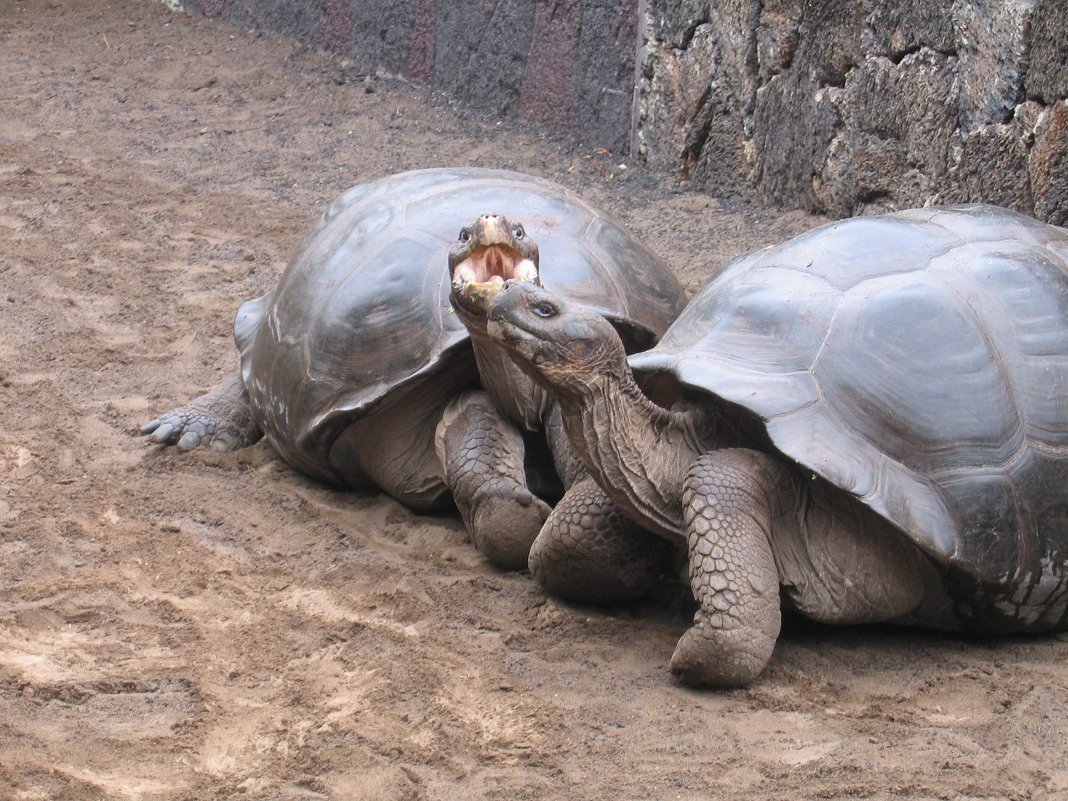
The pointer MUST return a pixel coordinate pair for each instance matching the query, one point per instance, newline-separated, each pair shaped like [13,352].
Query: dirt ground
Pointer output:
[205,626]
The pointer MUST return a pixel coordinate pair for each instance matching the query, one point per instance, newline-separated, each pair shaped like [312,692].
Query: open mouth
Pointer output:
[477,279]
[494,264]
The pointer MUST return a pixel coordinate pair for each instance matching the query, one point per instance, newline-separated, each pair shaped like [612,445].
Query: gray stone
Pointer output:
[1047,76]
[1048,165]
[389,40]
[855,106]
[299,20]
[992,168]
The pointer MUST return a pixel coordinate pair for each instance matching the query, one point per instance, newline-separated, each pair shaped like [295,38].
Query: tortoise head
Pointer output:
[487,252]
[564,346]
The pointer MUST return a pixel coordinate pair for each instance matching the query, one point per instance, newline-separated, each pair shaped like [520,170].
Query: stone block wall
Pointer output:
[846,107]
[835,106]
[566,64]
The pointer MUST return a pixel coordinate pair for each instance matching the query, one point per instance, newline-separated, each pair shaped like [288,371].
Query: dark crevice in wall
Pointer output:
[690,32]
[898,56]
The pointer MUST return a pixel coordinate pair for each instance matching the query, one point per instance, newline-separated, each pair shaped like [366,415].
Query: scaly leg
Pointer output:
[481,454]
[588,550]
[220,419]
[729,502]
[754,525]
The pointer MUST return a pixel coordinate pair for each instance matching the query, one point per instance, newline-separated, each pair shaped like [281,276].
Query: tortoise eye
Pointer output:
[543,309]
[518,232]
[465,235]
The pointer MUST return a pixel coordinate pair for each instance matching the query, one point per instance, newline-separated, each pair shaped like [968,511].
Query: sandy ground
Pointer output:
[204,626]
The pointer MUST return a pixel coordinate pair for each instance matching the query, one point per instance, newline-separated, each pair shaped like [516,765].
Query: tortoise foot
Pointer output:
[504,522]
[482,457]
[732,569]
[187,428]
[219,419]
[589,551]
[708,657]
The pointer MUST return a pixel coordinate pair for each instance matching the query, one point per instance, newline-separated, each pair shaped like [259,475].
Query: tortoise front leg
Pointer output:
[481,455]
[588,550]
[729,502]
[754,526]
[220,419]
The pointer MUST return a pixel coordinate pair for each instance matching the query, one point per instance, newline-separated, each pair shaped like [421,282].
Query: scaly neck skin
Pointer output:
[637,451]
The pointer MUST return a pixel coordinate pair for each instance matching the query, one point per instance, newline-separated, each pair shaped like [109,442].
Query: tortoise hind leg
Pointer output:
[481,454]
[220,419]
[589,551]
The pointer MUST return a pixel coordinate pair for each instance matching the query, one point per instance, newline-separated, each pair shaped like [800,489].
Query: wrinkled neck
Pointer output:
[518,396]
[637,451]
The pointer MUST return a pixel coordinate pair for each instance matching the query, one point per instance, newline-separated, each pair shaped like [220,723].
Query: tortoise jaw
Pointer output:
[473,300]
[494,264]
[488,252]
[477,279]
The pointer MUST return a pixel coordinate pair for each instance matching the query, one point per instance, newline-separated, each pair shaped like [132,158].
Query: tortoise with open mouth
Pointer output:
[359,373]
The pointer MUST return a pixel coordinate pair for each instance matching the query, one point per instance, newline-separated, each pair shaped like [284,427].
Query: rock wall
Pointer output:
[566,64]
[835,106]
[846,107]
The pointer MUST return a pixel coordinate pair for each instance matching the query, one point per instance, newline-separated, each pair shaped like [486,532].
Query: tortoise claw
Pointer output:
[220,419]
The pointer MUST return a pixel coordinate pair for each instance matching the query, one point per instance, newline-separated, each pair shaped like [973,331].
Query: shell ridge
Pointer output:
[1000,360]
[366,398]
[822,347]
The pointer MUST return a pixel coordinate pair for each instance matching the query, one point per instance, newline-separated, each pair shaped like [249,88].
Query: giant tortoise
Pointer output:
[359,372]
[871,419]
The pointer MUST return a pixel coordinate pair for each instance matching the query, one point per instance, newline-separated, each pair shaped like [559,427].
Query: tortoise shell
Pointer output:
[917,361]
[362,311]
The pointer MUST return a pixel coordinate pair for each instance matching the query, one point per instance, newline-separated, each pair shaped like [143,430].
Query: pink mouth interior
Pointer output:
[492,265]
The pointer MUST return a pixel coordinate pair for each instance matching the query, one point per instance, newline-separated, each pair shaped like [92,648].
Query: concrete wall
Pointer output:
[836,106]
